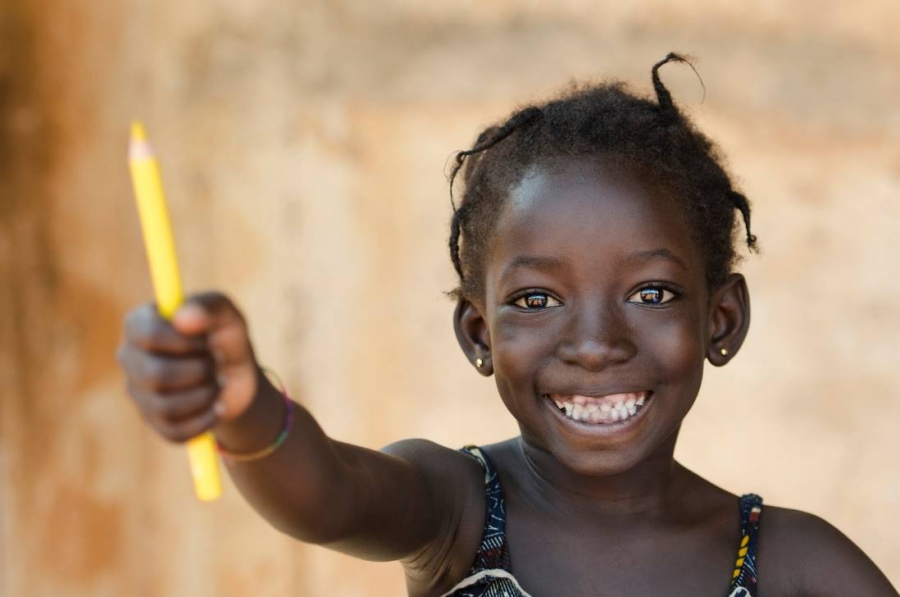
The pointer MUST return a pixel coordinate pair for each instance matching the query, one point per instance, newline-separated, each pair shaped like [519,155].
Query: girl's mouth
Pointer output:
[601,410]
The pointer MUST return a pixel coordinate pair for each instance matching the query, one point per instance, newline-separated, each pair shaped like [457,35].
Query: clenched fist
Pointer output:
[193,372]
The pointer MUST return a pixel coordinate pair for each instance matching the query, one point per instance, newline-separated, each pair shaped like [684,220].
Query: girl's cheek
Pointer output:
[515,359]
[678,352]
[677,338]
[516,354]
[683,349]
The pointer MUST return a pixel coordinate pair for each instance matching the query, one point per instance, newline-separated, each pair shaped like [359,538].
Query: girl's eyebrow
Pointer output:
[532,262]
[635,259]
[641,257]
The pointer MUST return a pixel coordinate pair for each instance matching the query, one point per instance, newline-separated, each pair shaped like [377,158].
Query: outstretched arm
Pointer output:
[199,372]
[388,505]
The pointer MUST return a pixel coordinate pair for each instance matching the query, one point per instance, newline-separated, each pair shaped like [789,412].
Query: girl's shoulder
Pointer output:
[456,486]
[802,554]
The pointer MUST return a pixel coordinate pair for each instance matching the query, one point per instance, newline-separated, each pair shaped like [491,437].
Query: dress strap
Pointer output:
[493,553]
[744,578]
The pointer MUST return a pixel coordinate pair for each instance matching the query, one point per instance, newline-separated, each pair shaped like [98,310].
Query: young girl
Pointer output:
[595,249]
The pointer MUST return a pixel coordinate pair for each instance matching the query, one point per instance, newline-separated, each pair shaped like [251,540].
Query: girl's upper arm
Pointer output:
[814,558]
[456,483]
[413,501]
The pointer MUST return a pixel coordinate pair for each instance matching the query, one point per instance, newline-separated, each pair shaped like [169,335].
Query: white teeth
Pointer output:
[589,410]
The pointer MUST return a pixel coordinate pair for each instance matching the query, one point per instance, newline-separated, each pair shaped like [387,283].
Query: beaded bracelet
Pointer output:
[286,428]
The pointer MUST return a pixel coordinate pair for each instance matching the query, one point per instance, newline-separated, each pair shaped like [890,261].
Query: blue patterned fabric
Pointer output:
[491,574]
[744,578]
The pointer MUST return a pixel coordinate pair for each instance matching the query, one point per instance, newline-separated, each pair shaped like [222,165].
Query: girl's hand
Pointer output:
[190,374]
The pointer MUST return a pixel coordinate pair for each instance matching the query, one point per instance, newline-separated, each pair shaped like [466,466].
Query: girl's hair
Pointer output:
[651,139]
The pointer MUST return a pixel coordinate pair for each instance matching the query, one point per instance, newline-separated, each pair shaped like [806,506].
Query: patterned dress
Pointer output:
[491,574]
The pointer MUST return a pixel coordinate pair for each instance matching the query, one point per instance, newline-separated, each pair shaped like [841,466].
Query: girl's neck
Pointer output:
[648,490]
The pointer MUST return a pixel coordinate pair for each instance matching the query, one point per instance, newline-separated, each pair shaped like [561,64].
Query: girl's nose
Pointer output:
[595,339]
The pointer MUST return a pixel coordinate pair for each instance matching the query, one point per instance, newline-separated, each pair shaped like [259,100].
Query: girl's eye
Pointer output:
[651,295]
[534,301]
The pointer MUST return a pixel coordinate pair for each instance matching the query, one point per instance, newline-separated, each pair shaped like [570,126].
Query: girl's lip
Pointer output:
[598,393]
[608,429]
[611,397]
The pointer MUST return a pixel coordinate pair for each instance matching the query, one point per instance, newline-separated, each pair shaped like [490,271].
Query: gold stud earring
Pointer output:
[479,362]
[724,352]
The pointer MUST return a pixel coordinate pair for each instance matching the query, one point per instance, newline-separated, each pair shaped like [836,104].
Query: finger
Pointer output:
[147,329]
[187,429]
[213,314]
[204,311]
[176,407]
[164,374]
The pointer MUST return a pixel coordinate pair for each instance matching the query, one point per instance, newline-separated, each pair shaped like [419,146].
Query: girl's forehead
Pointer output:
[589,207]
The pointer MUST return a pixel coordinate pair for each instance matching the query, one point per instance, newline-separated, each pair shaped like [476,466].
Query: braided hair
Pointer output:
[608,121]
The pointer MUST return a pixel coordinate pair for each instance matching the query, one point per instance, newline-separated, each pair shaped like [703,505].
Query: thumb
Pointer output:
[214,315]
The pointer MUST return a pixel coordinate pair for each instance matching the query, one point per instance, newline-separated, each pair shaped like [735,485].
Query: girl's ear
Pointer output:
[473,336]
[729,320]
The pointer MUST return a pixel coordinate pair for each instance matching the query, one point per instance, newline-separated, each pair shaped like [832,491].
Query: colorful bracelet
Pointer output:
[286,428]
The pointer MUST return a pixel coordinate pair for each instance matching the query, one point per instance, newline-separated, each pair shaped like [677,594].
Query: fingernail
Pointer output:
[220,408]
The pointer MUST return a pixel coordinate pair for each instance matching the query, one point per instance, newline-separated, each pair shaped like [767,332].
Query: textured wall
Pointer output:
[303,146]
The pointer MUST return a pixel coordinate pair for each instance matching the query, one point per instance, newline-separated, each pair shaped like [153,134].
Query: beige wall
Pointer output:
[303,145]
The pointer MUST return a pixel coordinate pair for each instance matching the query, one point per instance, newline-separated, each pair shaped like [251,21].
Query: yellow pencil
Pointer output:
[154,214]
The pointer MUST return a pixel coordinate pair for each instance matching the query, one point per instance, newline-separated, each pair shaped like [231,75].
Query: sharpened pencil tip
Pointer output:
[138,135]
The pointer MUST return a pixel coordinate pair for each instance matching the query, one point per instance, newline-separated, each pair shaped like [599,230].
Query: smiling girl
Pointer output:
[595,248]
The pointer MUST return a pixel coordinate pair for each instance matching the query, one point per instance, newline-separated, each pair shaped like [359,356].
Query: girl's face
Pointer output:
[596,318]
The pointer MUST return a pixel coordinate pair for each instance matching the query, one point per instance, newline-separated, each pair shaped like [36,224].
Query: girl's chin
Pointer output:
[608,464]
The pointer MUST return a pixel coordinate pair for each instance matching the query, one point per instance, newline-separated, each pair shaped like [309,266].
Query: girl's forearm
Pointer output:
[322,491]
[293,486]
